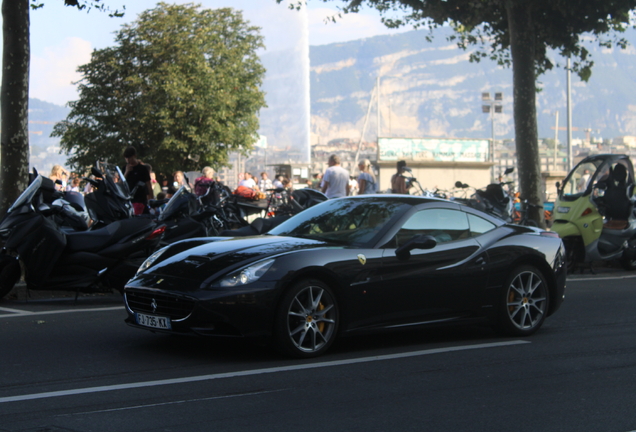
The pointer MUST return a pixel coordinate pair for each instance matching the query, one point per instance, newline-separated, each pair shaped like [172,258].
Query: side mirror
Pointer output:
[420,241]
[97,173]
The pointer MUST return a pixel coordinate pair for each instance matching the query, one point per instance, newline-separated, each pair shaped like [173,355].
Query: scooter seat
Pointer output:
[93,241]
[615,224]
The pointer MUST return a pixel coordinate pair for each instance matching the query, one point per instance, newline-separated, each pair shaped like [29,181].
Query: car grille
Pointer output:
[175,307]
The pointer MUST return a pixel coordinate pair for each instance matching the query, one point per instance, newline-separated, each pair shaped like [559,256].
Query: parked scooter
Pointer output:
[185,215]
[492,200]
[594,211]
[50,258]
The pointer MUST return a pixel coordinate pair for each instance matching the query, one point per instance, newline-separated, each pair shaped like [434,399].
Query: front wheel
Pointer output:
[524,305]
[10,273]
[306,320]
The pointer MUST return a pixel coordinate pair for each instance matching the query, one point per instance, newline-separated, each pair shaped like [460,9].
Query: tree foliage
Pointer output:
[182,85]
[517,33]
[14,153]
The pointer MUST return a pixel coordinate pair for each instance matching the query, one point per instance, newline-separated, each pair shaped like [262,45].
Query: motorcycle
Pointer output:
[594,212]
[185,215]
[492,200]
[52,258]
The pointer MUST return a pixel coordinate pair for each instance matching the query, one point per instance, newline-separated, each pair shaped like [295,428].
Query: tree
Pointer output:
[182,85]
[14,99]
[517,33]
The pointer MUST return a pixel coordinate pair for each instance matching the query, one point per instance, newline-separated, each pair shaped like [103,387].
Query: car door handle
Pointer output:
[480,261]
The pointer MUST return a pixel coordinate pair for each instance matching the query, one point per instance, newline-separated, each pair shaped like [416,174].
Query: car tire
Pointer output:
[307,320]
[523,303]
[10,273]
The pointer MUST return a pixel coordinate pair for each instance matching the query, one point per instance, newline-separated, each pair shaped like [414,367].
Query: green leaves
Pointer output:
[181,80]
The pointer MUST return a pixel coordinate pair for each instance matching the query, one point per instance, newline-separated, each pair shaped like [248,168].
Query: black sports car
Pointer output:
[351,265]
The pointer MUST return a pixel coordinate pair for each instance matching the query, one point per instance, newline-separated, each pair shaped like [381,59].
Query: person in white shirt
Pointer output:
[248,181]
[278,182]
[265,184]
[335,182]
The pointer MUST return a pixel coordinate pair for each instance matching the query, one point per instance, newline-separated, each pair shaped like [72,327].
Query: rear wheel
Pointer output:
[628,260]
[574,252]
[524,305]
[306,320]
[10,273]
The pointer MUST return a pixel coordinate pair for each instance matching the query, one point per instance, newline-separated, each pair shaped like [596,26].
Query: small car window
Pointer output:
[479,225]
[444,224]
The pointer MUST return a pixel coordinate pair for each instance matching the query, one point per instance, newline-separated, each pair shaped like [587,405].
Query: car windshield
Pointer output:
[26,197]
[347,221]
[579,179]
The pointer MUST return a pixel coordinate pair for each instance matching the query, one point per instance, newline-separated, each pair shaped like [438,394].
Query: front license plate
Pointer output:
[153,321]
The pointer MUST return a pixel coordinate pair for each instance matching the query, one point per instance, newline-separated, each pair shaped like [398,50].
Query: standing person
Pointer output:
[59,173]
[134,173]
[249,181]
[203,183]
[265,184]
[335,182]
[178,180]
[366,180]
[398,182]
[278,182]
[353,186]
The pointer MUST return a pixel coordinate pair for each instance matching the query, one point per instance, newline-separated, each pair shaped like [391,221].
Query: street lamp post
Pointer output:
[492,106]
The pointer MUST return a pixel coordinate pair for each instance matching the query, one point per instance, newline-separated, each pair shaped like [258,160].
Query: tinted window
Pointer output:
[347,221]
[479,225]
[443,224]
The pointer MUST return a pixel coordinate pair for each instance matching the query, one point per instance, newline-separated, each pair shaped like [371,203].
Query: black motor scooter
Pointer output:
[52,258]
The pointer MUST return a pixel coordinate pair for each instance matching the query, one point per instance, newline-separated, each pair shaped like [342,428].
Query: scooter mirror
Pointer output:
[508,171]
[558,185]
[97,173]
[458,184]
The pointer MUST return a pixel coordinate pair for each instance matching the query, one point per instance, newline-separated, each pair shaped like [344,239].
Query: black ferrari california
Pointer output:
[353,265]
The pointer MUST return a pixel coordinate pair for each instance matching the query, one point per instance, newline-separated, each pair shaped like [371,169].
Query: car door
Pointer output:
[441,283]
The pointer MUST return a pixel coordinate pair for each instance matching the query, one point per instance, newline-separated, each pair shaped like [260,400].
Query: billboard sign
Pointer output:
[433,149]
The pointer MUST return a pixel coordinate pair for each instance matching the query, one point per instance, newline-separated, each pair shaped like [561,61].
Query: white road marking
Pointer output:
[172,403]
[256,371]
[19,313]
[600,278]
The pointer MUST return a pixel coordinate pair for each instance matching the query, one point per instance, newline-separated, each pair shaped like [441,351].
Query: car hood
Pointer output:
[210,260]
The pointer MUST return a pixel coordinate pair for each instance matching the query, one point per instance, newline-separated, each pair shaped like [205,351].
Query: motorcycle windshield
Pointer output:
[115,179]
[26,197]
[173,204]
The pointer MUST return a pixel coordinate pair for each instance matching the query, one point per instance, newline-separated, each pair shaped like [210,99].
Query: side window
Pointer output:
[443,224]
[479,225]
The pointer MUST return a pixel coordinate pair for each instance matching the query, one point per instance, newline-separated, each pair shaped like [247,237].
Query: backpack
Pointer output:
[245,192]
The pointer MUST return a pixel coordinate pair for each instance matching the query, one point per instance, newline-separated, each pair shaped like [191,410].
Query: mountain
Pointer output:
[427,89]
[44,149]
[430,89]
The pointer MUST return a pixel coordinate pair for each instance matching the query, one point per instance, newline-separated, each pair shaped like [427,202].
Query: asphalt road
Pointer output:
[67,366]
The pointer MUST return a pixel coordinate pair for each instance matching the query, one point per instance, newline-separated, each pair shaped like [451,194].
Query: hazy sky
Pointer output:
[63,38]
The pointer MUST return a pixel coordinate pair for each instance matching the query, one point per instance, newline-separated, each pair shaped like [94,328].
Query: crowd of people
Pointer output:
[335,182]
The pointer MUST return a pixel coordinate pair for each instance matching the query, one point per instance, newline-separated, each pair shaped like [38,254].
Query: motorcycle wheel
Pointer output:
[573,253]
[628,260]
[10,273]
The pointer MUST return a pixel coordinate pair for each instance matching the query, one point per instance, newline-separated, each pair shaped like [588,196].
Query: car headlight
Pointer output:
[245,275]
[151,260]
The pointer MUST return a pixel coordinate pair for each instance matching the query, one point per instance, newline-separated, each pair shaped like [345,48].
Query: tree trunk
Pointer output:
[522,49]
[14,102]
